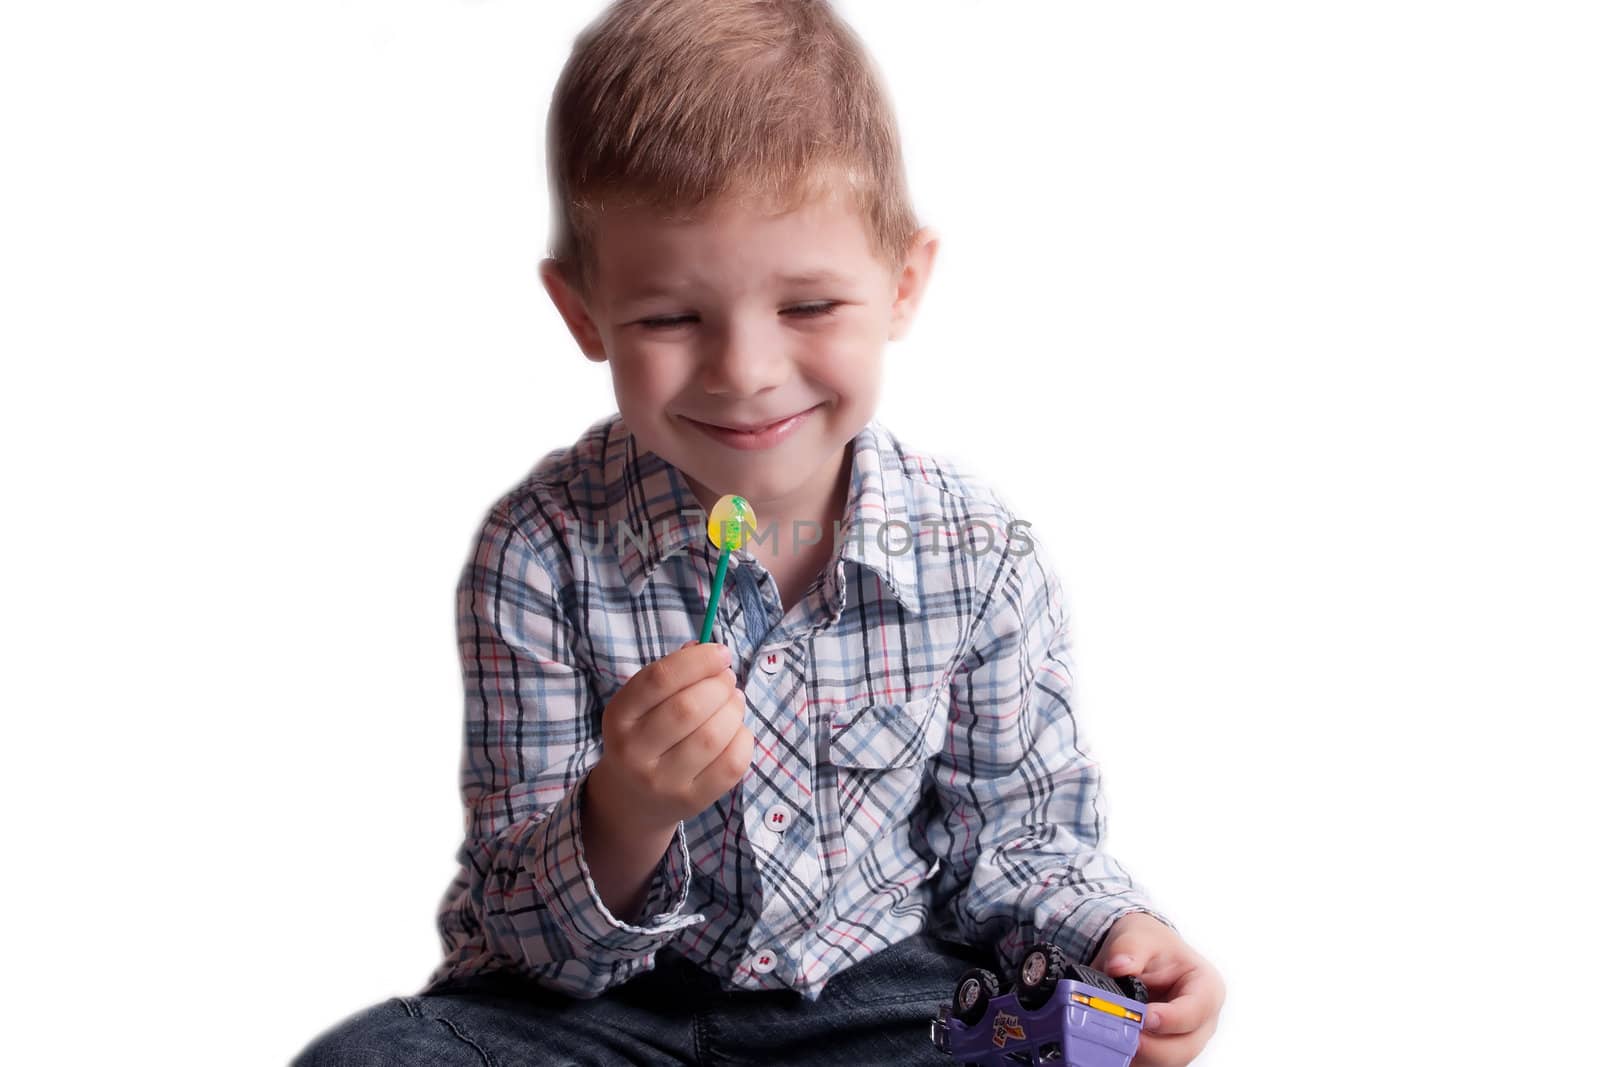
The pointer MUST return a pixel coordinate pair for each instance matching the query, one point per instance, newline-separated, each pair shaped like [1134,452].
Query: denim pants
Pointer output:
[877,1011]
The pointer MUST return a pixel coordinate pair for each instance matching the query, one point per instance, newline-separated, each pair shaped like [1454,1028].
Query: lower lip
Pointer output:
[766,438]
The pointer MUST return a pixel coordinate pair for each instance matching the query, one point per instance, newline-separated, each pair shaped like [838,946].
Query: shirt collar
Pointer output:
[653,513]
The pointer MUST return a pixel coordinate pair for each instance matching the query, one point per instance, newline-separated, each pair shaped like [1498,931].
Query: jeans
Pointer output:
[877,1011]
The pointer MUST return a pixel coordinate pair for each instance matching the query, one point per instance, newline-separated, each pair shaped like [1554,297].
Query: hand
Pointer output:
[674,740]
[1186,992]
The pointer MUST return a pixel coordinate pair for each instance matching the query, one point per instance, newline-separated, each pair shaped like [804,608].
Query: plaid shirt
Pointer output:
[916,764]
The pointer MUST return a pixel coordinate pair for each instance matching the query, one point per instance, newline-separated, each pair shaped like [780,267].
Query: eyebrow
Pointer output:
[821,275]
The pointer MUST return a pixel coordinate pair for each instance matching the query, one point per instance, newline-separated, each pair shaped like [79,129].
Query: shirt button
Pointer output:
[779,817]
[764,962]
[771,661]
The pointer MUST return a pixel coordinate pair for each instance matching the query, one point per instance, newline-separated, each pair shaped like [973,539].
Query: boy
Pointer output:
[786,844]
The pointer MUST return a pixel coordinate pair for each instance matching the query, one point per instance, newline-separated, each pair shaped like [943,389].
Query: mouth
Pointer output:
[752,427]
[753,435]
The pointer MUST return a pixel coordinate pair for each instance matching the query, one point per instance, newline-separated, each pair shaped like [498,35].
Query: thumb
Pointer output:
[1126,953]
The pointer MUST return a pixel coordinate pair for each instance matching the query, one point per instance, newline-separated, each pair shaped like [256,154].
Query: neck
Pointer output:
[820,502]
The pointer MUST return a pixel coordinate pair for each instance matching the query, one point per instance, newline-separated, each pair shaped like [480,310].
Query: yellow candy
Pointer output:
[734,516]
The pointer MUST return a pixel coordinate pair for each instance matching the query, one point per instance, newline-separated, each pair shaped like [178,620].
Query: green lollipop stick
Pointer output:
[716,595]
[726,527]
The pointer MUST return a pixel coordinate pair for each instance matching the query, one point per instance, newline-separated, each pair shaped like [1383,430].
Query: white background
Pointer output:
[1277,320]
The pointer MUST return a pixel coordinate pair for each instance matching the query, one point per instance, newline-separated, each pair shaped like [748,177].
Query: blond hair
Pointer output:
[673,104]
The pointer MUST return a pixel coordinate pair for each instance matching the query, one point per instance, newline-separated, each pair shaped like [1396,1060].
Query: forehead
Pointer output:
[732,246]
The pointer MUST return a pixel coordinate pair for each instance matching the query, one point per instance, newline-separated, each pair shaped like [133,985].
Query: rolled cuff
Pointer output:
[557,864]
[1081,928]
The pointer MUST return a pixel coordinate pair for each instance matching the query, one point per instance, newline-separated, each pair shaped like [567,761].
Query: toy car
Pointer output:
[1059,1013]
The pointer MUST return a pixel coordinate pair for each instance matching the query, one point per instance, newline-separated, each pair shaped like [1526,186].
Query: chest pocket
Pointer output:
[881,736]
[874,759]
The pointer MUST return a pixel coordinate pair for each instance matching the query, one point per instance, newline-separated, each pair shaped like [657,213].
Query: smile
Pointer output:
[759,437]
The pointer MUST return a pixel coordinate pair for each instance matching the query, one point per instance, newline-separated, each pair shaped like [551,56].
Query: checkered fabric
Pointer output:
[917,763]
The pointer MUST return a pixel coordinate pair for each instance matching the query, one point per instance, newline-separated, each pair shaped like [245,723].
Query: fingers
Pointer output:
[1186,992]
[1181,1015]
[675,671]
[1187,1003]
[1178,1050]
[1128,959]
[1161,972]
[730,763]
[689,729]
[1128,950]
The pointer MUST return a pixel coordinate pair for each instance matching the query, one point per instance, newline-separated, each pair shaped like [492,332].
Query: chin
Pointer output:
[758,481]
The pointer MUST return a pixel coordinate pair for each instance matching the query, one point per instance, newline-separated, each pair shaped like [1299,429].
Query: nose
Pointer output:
[742,360]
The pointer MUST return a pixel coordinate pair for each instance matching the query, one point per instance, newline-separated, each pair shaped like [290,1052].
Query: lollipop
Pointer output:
[730,523]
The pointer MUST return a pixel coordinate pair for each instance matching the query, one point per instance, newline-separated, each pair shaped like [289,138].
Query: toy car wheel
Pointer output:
[1041,968]
[973,991]
[1133,988]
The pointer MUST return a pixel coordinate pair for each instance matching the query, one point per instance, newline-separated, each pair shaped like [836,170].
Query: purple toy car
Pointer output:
[1060,1013]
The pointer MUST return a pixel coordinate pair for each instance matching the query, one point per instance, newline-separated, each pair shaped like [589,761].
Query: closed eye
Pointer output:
[812,311]
[803,311]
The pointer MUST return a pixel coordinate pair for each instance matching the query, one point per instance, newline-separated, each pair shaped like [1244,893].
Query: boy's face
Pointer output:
[711,323]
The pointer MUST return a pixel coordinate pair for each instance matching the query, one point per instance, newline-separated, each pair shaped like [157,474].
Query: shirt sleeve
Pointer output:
[523,897]
[1018,818]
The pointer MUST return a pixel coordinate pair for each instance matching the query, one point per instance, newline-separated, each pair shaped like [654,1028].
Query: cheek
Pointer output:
[847,364]
[650,374]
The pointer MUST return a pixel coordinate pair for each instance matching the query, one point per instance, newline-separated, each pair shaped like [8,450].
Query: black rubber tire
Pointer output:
[985,987]
[1133,988]
[1047,964]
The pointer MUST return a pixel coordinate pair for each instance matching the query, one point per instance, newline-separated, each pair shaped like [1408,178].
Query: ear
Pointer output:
[913,282]
[573,311]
